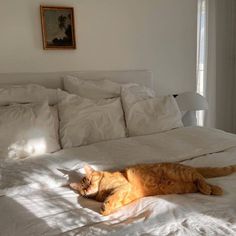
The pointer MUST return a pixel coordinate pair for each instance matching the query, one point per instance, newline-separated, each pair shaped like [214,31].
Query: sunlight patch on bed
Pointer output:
[32,147]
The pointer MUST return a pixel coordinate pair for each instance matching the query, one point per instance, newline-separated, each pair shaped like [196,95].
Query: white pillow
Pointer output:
[84,121]
[29,93]
[147,114]
[56,124]
[27,129]
[135,92]
[93,89]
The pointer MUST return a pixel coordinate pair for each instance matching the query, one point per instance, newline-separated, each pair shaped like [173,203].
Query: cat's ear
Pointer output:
[88,170]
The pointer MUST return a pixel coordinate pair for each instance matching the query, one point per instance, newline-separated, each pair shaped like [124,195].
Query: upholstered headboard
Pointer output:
[54,79]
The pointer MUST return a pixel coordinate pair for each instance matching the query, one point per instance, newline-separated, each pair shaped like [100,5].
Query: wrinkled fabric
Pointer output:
[93,89]
[146,113]
[27,129]
[172,146]
[28,93]
[84,121]
[51,210]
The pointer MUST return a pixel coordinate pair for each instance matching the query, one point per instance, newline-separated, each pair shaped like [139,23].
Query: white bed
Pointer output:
[36,203]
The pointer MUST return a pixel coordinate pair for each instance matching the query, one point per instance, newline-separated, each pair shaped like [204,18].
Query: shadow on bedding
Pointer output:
[89,204]
[16,220]
[178,214]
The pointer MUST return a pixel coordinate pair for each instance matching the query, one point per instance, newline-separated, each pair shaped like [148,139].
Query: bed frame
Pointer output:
[54,79]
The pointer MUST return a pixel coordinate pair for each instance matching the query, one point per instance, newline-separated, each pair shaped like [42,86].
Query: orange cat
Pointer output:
[116,189]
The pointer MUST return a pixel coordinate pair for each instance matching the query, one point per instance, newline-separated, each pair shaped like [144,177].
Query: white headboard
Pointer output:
[54,79]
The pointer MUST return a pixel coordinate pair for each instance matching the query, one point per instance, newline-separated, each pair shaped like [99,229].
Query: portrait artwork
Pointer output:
[58,27]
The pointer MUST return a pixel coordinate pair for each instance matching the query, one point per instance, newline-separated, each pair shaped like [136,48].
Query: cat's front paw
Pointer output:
[105,210]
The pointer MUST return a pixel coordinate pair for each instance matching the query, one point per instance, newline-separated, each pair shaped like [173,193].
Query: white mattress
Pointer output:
[33,202]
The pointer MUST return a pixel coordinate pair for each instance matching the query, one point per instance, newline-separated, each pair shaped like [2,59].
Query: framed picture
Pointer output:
[58,27]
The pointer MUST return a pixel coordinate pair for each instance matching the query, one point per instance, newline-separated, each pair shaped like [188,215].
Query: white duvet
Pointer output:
[33,201]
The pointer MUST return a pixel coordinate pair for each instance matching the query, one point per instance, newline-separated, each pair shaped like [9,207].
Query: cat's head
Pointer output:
[89,185]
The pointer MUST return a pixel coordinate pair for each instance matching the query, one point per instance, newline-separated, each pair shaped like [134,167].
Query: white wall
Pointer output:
[159,35]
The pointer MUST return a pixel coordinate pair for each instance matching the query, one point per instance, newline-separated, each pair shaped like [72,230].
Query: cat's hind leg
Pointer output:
[203,187]
[208,189]
[216,190]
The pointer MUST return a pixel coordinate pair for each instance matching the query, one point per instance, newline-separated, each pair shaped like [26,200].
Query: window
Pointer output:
[201,54]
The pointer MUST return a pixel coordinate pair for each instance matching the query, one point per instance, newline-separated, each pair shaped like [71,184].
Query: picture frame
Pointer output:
[58,27]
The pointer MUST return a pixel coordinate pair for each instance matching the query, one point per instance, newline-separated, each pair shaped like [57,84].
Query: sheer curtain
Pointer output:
[210,114]
[202,54]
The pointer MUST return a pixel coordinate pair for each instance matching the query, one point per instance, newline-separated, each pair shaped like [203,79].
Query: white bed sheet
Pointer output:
[42,207]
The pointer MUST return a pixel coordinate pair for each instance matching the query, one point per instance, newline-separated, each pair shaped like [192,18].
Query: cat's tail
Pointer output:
[211,172]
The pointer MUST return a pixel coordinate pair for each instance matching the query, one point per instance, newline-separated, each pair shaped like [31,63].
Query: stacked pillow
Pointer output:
[27,94]
[93,89]
[145,113]
[87,112]
[84,121]
[92,114]
[28,125]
